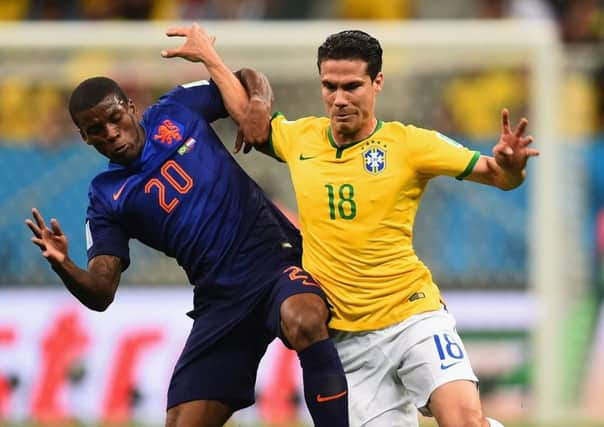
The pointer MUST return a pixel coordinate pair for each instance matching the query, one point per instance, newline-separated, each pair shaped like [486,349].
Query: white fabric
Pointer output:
[392,372]
[494,423]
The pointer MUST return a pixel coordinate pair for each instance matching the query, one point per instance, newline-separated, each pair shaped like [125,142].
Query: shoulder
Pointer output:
[98,192]
[398,131]
[186,89]
[105,184]
[169,117]
[301,124]
[408,132]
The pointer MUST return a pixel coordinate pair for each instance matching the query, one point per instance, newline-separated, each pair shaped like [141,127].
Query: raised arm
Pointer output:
[506,169]
[95,287]
[199,47]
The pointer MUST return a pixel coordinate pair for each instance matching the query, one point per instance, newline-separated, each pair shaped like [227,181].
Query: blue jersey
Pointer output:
[187,197]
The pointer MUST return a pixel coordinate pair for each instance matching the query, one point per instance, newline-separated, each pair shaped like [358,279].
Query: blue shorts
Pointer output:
[225,368]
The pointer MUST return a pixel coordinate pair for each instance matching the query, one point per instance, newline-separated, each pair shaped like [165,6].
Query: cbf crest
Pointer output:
[374,157]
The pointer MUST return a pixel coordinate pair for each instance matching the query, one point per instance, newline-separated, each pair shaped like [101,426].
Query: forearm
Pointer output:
[488,172]
[232,91]
[94,289]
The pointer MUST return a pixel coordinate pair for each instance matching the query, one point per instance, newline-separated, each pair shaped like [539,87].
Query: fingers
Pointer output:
[56,228]
[247,148]
[39,243]
[175,32]
[38,218]
[526,141]
[186,31]
[170,53]
[196,37]
[531,152]
[34,228]
[521,127]
[505,121]
[238,141]
[178,31]
[39,227]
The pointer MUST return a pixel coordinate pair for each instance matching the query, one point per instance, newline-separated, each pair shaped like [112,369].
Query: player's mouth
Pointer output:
[343,117]
[121,149]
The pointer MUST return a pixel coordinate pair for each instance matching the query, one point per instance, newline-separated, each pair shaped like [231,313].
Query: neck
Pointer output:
[342,139]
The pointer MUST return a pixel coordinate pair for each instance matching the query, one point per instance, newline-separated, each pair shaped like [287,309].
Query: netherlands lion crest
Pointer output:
[374,158]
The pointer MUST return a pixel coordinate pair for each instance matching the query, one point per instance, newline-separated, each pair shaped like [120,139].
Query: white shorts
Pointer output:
[392,372]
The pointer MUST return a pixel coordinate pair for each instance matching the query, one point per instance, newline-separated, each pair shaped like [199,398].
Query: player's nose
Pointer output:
[113,132]
[340,98]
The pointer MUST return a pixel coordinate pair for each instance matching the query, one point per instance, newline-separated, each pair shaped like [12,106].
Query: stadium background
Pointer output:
[61,364]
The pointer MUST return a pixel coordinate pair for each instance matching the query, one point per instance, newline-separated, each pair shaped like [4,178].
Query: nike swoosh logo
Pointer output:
[303,157]
[444,367]
[117,194]
[322,399]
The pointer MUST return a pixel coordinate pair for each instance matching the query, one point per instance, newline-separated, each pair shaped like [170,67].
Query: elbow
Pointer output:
[100,303]
[507,187]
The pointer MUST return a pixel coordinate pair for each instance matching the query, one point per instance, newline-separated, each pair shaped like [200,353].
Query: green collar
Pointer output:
[340,149]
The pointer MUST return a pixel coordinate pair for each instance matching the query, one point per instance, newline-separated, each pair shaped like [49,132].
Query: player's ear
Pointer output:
[83,136]
[378,82]
[131,106]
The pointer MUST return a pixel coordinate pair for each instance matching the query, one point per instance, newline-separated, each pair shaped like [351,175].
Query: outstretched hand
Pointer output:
[512,151]
[51,241]
[198,46]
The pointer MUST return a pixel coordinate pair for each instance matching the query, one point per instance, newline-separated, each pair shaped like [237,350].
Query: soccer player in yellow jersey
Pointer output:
[358,183]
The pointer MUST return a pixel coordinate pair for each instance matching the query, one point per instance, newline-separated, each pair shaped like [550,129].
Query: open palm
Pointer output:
[512,151]
[51,241]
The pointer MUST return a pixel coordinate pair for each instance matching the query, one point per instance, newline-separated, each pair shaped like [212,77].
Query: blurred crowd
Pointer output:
[468,101]
[580,20]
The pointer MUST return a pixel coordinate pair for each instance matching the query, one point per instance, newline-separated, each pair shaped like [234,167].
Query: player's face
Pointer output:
[112,127]
[349,96]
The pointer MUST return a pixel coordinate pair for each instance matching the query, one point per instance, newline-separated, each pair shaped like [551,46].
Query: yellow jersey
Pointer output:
[357,205]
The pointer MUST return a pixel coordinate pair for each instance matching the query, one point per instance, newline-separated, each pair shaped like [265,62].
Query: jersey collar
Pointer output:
[340,149]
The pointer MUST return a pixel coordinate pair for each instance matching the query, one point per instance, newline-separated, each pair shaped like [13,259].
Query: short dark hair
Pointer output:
[92,91]
[352,44]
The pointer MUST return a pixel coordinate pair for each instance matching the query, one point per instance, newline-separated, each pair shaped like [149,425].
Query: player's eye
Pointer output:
[94,130]
[352,86]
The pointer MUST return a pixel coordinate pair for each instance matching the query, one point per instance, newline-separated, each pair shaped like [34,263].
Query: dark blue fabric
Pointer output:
[227,341]
[187,197]
[325,386]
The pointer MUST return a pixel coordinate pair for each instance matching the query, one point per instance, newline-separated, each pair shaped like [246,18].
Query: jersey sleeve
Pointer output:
[202,97]
[282,137]
[433,154]
[103,235]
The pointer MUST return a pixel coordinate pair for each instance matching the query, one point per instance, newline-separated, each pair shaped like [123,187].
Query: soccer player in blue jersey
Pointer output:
[171,184]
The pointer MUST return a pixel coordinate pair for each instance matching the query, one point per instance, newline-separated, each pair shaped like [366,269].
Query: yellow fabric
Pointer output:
[357,214]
